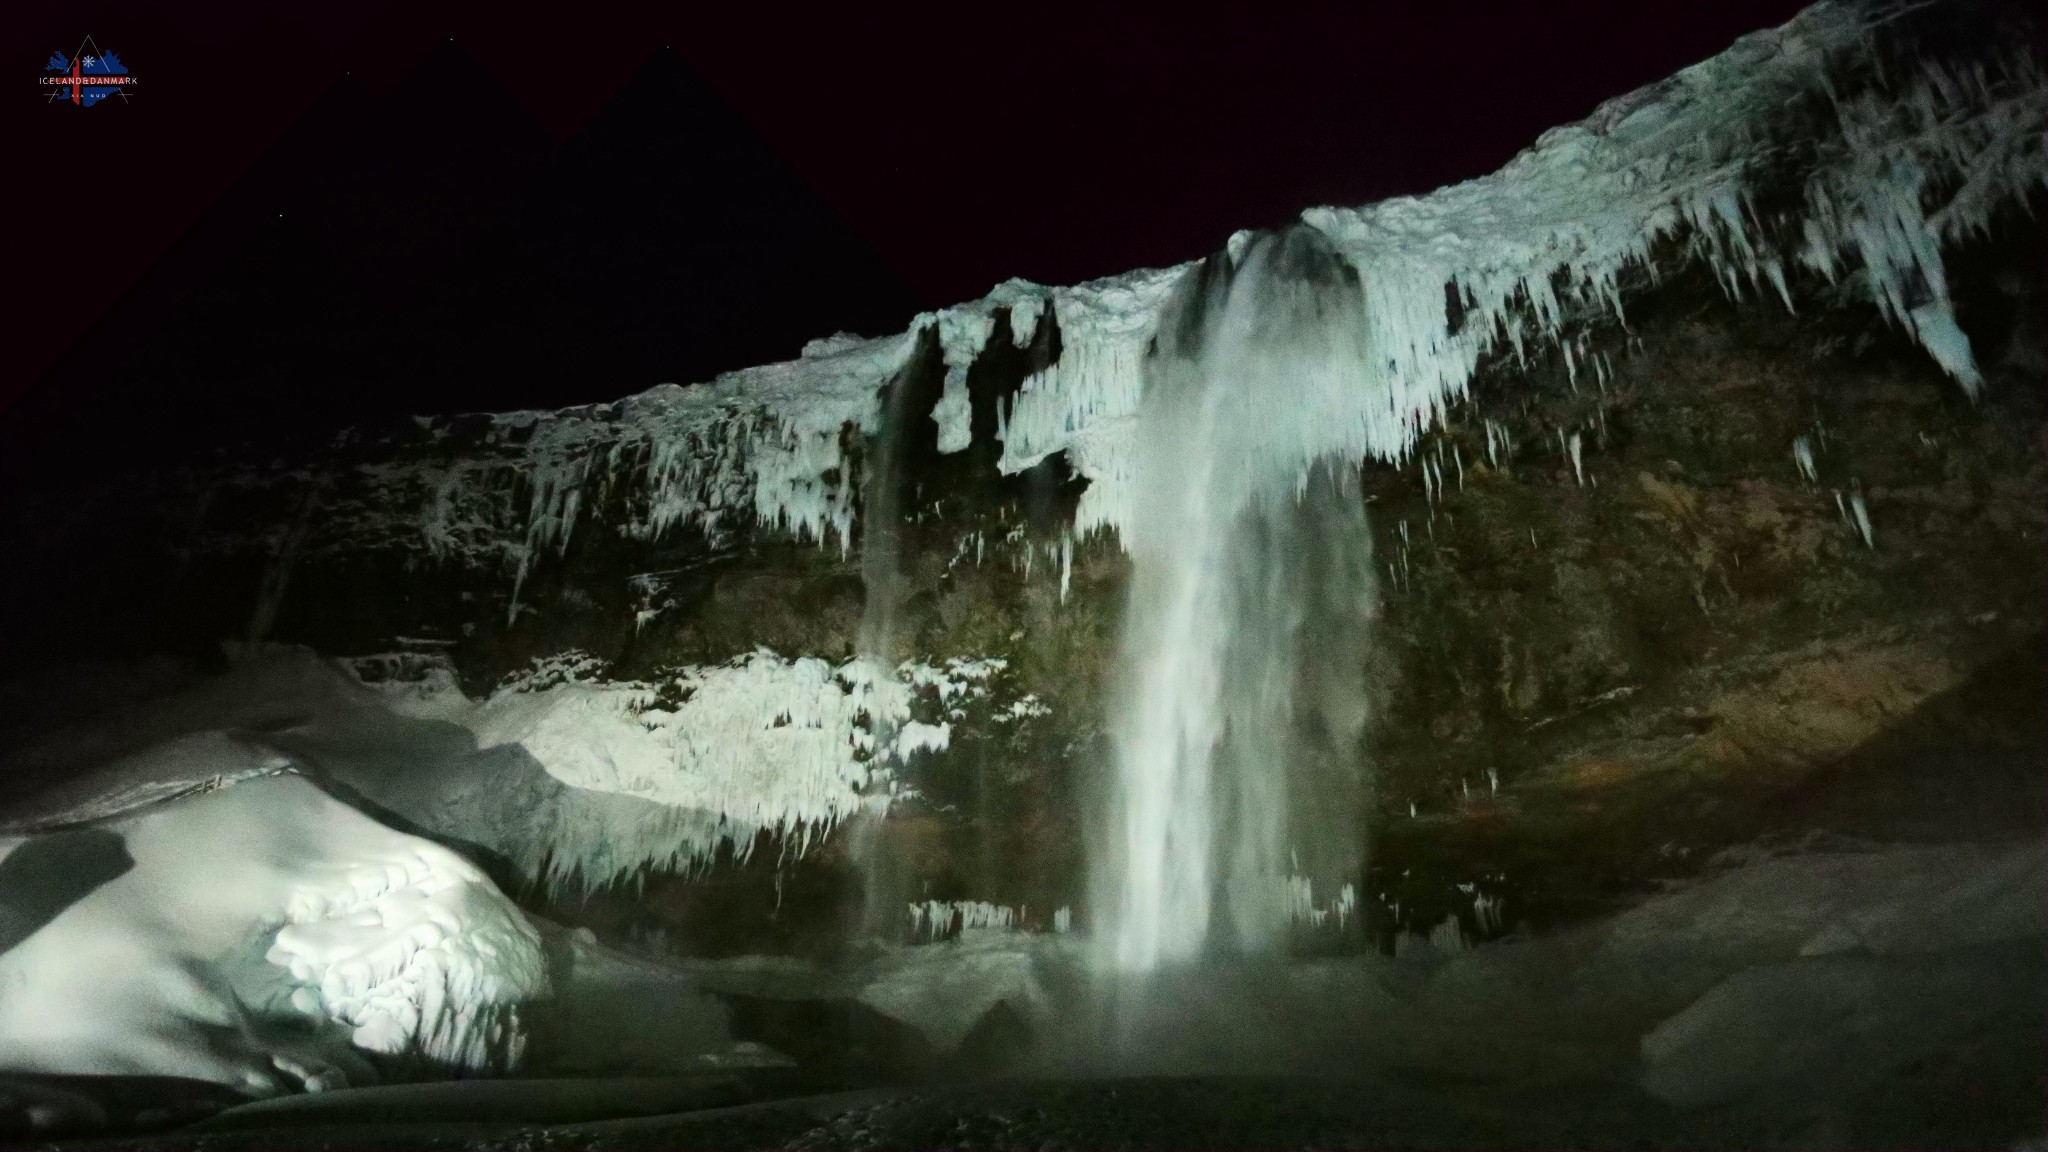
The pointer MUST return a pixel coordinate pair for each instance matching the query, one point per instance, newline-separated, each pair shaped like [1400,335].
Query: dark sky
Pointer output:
[967,143]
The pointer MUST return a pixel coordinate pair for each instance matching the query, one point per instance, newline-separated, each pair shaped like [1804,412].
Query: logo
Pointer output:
[86,77]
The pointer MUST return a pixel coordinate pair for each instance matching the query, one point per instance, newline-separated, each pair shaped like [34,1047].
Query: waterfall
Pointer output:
[881,572]
[1242,697]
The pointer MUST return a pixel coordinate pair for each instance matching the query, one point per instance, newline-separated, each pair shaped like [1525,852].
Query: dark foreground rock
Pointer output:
[1172,1113]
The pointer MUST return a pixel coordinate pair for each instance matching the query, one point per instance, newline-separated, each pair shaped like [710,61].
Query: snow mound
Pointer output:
[263,936]
[417,953]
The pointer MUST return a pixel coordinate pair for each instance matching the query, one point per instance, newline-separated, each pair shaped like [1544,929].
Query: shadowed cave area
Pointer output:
[1559,662]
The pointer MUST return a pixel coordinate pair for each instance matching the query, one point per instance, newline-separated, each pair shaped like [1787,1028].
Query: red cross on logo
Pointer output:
[77,79]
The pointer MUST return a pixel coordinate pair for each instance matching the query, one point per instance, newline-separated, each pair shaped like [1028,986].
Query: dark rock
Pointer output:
[998,1044]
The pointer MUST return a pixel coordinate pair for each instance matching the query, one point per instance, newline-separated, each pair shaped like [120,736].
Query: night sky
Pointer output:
[943,148]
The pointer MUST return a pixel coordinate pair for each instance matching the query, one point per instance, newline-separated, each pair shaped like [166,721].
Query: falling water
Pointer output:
[1246,638]
[881,570]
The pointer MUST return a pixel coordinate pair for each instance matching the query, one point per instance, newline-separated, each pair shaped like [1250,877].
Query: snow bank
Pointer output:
[265,935]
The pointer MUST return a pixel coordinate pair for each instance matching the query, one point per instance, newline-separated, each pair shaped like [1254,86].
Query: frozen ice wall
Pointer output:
[1827,148]
[1825,160]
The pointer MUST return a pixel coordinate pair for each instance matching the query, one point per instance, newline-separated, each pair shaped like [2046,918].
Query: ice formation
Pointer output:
[1861,511]
[1824,150]
[1449,936]
[757,744]
[416,953]
[762,443]
[1446,938]
[1486,912]
[1802,458]
[1902,158]
[1303,910]
[936,919]
[264,935]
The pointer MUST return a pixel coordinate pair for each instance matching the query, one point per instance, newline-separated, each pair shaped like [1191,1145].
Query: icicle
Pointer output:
[1448,936]
[1458,454]
[1802,456]
[1500,447]
[963,333]
[1578,465]
[1486,912]
[1492,782]
[1862,512]
[1066,565]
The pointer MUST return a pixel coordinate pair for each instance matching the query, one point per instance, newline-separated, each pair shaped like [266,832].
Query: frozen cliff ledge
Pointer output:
[666,774]
[571,780]
[1825,162]
[261,935]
